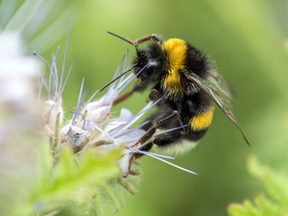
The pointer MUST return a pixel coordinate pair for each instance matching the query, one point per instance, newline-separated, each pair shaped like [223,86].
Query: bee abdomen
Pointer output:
[201,121]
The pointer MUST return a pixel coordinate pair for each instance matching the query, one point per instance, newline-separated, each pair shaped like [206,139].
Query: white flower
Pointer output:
[17,72]
[93,117]
[52,110]
[18,108]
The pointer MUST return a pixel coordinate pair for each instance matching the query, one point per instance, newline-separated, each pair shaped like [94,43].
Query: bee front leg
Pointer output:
[137,88]
[122,98]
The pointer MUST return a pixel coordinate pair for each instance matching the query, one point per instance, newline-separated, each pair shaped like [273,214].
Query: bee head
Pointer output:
[148,63]
[150,58]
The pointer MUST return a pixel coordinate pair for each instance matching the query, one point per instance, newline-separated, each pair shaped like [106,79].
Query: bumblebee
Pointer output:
[186,82]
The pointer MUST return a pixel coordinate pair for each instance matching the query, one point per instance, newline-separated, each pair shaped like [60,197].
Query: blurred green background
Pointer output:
[247,41]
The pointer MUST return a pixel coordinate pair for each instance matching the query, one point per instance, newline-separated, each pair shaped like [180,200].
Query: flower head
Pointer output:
[52,110]
[92,126]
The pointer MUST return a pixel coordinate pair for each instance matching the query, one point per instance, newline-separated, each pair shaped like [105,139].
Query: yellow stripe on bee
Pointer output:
[176,51]
[202,121]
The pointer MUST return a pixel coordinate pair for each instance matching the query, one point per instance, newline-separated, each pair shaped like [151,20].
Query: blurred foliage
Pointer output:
[276,185]
[38,21]
[246,40]
[79,183]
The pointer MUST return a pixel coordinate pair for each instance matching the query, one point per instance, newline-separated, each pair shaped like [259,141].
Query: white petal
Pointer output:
[125,115]
[124,163]
[98,114]
[16,91]
[10,45]
[50,112]
[93,105]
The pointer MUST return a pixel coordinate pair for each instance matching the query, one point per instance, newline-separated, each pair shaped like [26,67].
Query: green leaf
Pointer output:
[72,181]
[247,209]
[276,185]
[265,206]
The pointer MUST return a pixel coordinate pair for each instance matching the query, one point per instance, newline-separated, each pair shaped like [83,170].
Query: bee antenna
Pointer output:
[115,79]
[125,39]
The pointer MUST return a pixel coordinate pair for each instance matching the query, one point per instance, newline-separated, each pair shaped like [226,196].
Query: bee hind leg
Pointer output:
[147,147]
[168,138]
[149,133]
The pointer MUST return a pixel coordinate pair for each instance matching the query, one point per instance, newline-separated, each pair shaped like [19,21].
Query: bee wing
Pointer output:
[219,82]
[220,101]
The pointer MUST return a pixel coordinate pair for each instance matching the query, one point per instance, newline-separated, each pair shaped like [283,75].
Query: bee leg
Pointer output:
[173,137]
[139,41]
[153,129]
[181,124]
[147,147]
[167,139]
[144,39]
[151,120]
[135,156]
[154,95]
[156,115]
[137,88]
[122,98]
